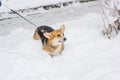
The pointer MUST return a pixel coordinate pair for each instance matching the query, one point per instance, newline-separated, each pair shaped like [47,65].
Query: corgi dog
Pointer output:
[52,40]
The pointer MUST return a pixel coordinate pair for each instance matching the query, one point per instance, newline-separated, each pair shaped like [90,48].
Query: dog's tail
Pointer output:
[36,35]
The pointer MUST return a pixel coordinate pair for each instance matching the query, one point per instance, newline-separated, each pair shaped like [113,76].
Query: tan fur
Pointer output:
[36,36]
[52,50]
[52,47]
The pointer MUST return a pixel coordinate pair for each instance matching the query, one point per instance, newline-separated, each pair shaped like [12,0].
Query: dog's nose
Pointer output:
[65,39]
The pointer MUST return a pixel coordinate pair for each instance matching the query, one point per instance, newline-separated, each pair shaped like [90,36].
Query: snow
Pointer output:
[23,4]
[88,55]
[115,3]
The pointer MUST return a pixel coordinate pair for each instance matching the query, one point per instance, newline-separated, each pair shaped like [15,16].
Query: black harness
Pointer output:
[43,29]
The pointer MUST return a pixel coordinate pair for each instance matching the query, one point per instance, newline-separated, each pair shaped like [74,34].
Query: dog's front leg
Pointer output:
[49,50]
[62,48]
[51,55]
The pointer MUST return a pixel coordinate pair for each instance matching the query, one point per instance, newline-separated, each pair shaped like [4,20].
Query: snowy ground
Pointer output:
[87,55]
[24,4]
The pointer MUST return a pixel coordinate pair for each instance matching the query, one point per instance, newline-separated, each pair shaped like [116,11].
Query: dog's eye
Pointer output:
[63,34]
[58,35]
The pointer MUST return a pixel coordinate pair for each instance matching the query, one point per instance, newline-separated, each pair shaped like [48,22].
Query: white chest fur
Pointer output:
[58,50]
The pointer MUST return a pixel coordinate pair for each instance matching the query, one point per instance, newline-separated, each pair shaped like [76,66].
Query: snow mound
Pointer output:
[87,55]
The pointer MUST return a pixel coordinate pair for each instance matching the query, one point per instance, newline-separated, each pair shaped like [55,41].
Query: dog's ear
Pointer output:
[47,35]
[62,28]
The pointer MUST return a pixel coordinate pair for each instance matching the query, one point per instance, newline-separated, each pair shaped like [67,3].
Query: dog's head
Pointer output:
[56,37]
